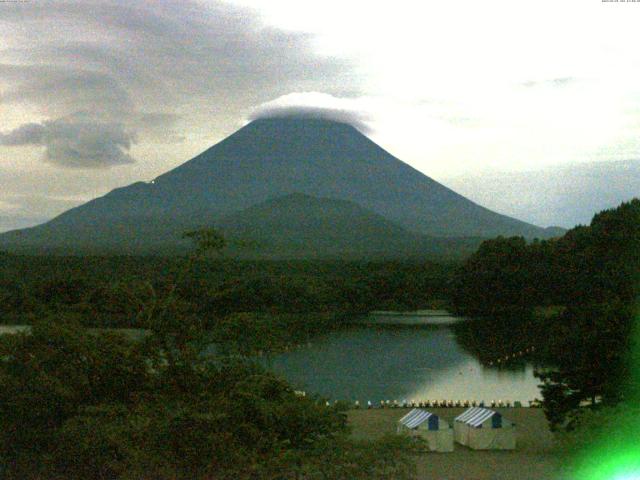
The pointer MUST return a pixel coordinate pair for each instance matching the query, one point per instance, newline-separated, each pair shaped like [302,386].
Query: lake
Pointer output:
[375,362]
[368,363]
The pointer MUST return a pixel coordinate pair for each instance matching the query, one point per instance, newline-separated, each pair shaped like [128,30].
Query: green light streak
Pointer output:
[614,453]
[606,465]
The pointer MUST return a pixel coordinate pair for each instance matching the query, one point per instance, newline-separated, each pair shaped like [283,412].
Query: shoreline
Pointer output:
[417,317]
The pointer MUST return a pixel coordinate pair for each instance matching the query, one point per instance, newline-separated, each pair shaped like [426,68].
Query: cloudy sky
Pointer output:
[96,94]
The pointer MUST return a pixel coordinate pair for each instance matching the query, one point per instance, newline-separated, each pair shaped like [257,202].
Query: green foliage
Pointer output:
[81,406]
[496,279]
[289,301]
[501,335]
[594,272]
[206,240]
[263,292]
[589,361]
[112,291]
[77,405]
[15,299]
[249,333]
[604,257]
[234,417]
[48,376]
[592,340]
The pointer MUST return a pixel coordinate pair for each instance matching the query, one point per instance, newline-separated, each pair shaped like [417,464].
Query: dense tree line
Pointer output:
[510,276]
[76,404]
[109,291]
[250,305]
[592,273]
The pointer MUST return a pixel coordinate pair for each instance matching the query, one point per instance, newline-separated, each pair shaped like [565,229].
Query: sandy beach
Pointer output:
[533,458]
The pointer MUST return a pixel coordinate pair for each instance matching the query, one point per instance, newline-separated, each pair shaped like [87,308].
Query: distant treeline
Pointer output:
[113,291]
[589,264]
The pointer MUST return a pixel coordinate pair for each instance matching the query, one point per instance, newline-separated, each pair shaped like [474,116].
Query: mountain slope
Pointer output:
[266,159]
[565,195]
[298,225]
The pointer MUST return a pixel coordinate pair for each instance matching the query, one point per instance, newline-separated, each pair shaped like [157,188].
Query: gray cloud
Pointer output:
[27,134]
[76,142]
[154,69]
[61,91]
[178,48]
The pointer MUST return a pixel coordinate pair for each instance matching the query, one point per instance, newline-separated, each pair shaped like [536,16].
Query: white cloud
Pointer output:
[495,84]
[316,105]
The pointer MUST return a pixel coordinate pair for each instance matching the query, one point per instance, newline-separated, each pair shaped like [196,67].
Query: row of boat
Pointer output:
[441,404]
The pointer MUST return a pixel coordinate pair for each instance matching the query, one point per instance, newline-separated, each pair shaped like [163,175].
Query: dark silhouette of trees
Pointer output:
[593,272]
[495,279]
[76,404]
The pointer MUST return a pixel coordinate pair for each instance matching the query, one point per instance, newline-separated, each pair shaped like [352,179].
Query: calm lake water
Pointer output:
[397,363]
[394,362]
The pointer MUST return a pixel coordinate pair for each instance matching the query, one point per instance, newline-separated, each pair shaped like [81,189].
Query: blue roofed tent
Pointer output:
[484,429]
[435,431]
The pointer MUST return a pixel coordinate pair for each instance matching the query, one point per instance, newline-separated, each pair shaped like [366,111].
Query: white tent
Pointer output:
[483,429]
[436,432]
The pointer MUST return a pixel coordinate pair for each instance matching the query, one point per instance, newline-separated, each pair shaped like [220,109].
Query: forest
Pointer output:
[86,403]
[261,305]
[588,343]
[81,400]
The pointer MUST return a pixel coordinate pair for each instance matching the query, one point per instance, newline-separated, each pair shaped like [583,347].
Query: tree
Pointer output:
[177,336]
[594,272]
[49,375]
[593,340]
[81,405]
[590,357]
[495,279]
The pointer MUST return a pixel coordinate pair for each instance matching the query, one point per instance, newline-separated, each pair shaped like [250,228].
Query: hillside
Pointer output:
[299,225]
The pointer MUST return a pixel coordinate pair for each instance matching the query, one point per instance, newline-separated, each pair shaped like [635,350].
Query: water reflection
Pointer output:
[470,382]
[387,363]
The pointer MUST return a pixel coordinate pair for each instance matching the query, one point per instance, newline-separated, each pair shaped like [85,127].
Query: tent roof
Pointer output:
[475,416]
[416,417]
